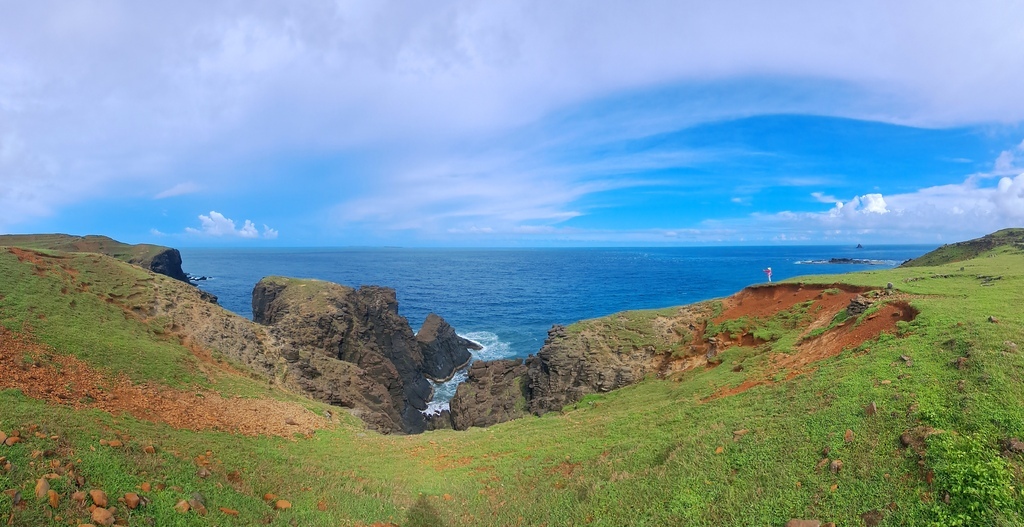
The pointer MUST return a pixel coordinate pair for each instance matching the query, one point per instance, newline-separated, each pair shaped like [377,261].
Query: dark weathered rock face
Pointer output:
[444,352]
[563,371]
[350,347]
[167,263]
[495,392]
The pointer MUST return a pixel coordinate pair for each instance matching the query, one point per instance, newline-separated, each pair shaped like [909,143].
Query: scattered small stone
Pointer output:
[15,496]
[229,512]
[885,381]
[282,505]
[115,443]
[822,463]
[3,436]
[835,466]
[1011,346]
[719,450]
[322,505]
[146,486]
[102,516]
[149,449]
[79,496]
[848,436]
[871,409]
[197,507]
[53,498]
[826,451]
[993,320]
[42,486]
[738,434]
[199,498]
[98,497]
[182,507]
[291,421]
[803,523]
[203,472]
[131,500]
[960,363]
[269,497]
[829,524]
[889,286]
[872,518]
[12,440]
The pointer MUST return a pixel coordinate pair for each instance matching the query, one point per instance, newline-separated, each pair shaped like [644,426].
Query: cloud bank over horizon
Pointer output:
[494,123]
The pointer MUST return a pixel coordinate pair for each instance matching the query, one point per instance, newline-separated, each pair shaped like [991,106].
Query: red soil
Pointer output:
[766,301]
[43,374]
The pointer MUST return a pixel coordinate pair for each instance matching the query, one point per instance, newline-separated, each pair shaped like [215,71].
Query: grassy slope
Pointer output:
[142,252]
[958,252]
[644,455]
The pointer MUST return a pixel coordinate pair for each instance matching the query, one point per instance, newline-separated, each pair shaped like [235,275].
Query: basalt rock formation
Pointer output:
[444,352]
[495,392]
[351,348]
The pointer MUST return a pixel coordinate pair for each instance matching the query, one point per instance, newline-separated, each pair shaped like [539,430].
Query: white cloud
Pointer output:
[1006,163]
[824,198]
[119,94]
[156,232]
[217,225]
[960,210]
[180,189]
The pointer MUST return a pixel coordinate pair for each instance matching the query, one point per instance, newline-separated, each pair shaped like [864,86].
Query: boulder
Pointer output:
[444,352]
[495,392]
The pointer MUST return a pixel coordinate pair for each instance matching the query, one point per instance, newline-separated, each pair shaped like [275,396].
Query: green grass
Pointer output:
[642,455]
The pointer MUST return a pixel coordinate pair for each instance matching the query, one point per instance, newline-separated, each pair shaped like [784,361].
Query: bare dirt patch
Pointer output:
[764,302]
[43,374]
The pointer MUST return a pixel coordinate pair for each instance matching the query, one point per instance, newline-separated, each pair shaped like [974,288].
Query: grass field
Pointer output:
[657,453]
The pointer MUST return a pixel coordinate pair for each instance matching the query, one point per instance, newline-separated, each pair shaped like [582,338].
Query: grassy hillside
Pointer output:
[716,445]
[84,244]
[960,251]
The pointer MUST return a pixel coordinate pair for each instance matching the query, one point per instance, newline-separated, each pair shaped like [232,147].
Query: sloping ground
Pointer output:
[961,251]
[42,374]
[918,422]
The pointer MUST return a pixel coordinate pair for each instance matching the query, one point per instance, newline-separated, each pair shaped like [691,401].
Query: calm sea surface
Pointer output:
[506,299]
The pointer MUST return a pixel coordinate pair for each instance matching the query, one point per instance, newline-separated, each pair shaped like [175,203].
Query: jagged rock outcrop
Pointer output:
[350,347]
[444,351]
[495,392]
[166,262]
[564,370]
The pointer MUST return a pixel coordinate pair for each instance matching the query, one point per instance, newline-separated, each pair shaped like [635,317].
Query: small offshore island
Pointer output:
[129,395]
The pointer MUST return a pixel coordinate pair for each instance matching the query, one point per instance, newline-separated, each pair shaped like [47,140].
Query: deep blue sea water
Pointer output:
[506,299]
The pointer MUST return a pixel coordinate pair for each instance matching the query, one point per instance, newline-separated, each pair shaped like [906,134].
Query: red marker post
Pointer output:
[768,272]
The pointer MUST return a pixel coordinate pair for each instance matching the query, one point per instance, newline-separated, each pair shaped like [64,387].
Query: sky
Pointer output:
[495,123]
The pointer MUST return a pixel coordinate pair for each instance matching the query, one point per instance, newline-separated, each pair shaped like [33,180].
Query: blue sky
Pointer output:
[524,123]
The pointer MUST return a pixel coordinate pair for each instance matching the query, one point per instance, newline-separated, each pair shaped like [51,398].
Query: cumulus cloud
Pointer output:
[217,225]
[958,210]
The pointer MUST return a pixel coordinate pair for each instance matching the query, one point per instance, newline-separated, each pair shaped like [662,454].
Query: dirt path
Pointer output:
[41,373]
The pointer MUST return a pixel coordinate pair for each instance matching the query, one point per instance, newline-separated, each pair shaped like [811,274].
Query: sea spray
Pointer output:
[492,348]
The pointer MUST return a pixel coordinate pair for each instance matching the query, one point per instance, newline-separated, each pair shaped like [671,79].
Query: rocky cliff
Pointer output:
[350,347]
[566,368]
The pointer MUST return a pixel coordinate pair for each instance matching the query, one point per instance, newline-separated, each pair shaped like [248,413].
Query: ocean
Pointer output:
[507,299]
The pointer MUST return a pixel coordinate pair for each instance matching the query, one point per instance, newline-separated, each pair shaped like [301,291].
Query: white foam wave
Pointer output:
[492,348]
